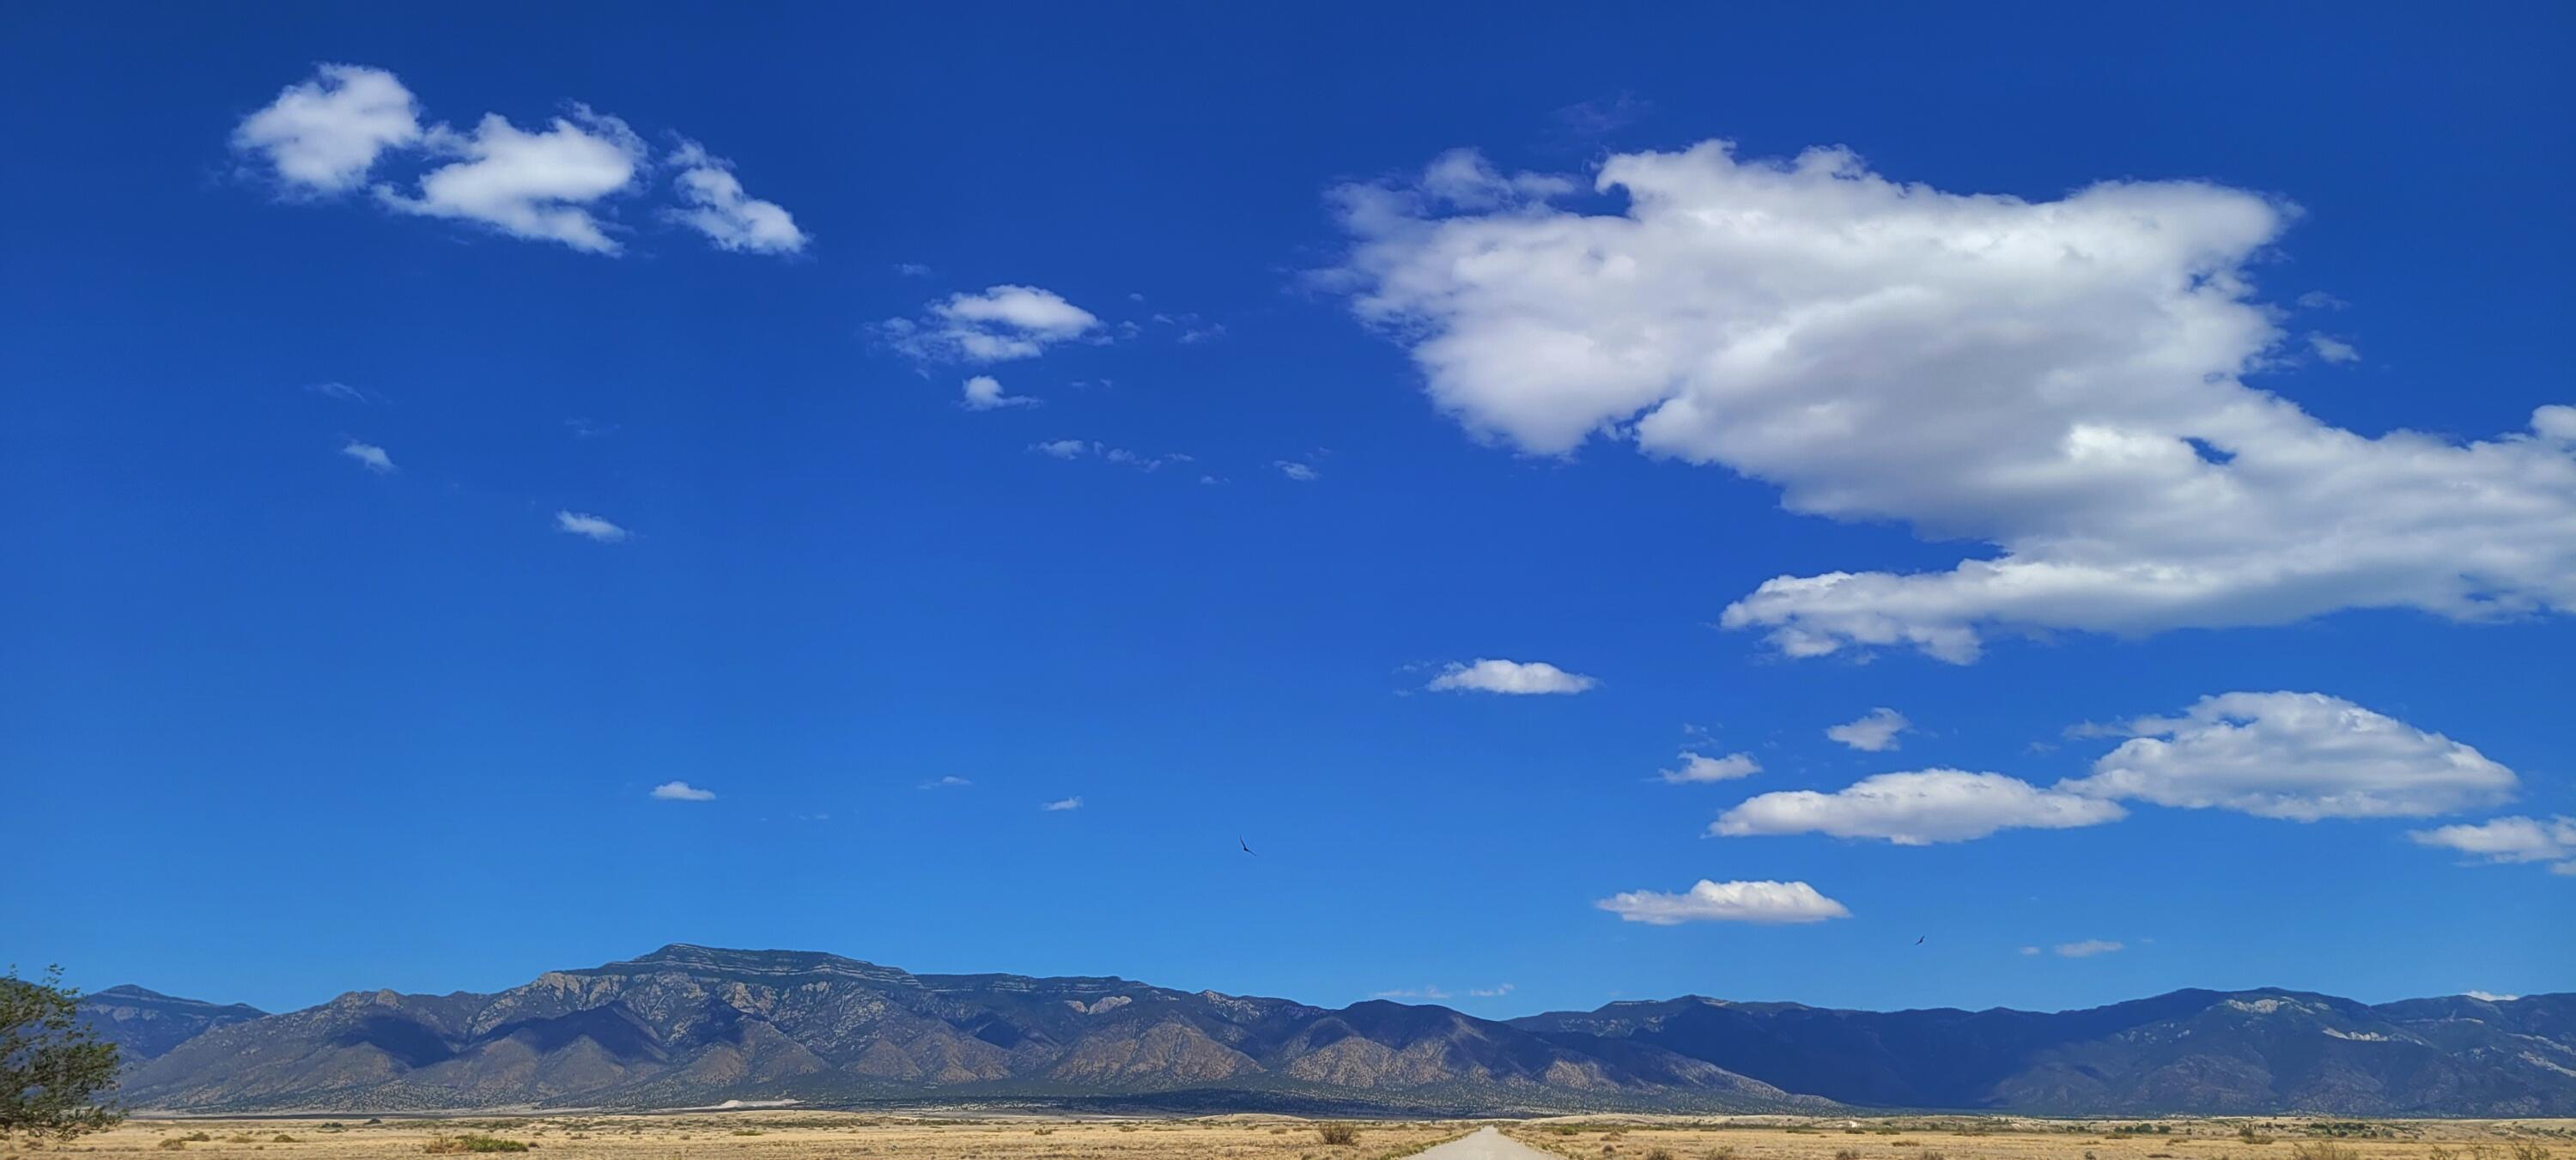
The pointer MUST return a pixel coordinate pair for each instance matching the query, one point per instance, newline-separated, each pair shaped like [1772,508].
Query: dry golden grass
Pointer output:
[769,1136]
[796,1135]
[2019,1138]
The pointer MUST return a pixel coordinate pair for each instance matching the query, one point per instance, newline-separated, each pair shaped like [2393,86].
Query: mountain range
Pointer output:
[690,1026]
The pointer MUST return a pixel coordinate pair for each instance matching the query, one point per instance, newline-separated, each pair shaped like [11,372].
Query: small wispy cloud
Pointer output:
[1002,323]
[1875,732]
[1520,678]
[374,457]
[681,791]
[1301,472]
[1061,804]
[341,391]
[1600,115]
[2332,349]
[589,527]
[1070,449]
[1494,992]
[984,393]
[713,202]
[2089,948]
[1411,993]
[2490,996]
[952,781]
[1700,767]
[1756,902]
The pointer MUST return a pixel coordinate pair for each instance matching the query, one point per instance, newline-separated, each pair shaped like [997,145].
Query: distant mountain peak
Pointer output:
[762,964]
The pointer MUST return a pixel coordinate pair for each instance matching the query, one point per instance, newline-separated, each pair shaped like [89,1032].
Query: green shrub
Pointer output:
[1338,1134]
[446,1145]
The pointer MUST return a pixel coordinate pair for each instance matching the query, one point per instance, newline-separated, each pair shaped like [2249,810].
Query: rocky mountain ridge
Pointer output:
[689,1026]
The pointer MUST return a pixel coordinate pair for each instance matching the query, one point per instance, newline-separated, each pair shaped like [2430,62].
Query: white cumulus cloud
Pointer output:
[1001,323]
[713,201]
[2301,756]
[1700,767]
[1062,804]
[2063,380]
[1875,732]
[341,131]
[1763,902]
[373,457]
[1919,808]
[589,527]
[1511,677]
[681,791]
[984,393]
[2516,839]
[537,185]
[323,135]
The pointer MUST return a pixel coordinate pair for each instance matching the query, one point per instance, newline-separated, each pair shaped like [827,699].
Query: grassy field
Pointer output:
[759,1135]
[2001,1138]
[791,1135]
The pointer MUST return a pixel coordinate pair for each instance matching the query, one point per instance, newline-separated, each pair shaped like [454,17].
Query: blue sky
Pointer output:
[397,498]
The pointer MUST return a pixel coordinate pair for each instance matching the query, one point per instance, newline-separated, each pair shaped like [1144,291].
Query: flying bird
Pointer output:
[1247,846]
[1919,942]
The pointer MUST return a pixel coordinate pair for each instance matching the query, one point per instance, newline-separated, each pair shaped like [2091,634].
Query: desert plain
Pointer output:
[816,1135]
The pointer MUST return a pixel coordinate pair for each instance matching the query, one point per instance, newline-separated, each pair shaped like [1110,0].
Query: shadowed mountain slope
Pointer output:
[144,1024]
[691,1026]
[2206,1052]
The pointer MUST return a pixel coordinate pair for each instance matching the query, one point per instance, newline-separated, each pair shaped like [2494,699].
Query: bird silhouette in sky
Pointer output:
[1919,942]
[1247,846]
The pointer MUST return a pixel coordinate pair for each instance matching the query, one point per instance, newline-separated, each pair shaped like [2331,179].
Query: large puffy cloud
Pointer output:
[1002,323]
[530,185]
[323,135]
[333,133]
[2060,379]
[2302,756]
[2514,839]
[1763,902]
[1917,809]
